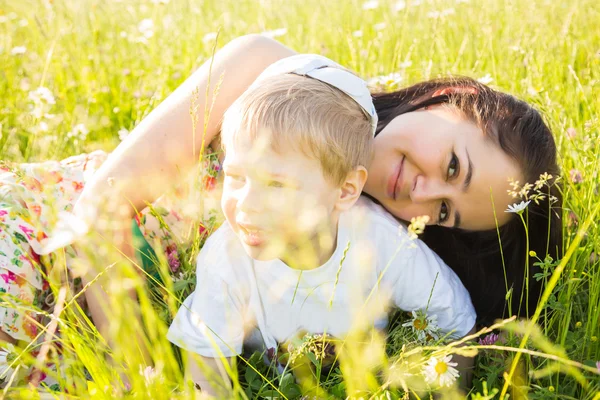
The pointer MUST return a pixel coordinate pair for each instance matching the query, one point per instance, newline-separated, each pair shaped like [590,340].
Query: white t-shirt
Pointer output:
[237,297]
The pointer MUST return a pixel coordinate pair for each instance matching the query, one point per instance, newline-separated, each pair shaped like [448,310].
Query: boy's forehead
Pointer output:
[263,157]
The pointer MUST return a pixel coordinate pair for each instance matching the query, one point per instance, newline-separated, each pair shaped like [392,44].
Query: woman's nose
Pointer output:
[429,189]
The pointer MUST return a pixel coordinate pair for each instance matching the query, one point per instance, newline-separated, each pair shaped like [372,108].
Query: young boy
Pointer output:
[300,251]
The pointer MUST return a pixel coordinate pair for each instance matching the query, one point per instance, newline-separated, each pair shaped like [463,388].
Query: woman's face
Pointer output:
[435,162]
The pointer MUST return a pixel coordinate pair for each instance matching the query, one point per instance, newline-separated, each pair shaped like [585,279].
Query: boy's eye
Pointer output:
[237,178]
[443,216]
[276,184]
[453,166]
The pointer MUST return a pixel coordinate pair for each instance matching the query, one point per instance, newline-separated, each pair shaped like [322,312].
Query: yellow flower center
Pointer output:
[420,324]
[441,367]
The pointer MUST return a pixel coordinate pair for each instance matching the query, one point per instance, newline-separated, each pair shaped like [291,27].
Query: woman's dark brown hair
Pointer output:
[491,263]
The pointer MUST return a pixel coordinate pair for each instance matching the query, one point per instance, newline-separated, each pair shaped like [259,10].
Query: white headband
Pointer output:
[327,71]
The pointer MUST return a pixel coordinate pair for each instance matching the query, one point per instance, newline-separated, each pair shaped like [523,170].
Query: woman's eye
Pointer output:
[443,217]
[453,166]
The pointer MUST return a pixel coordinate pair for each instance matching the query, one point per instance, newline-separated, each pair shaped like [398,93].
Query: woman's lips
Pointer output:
[395,180]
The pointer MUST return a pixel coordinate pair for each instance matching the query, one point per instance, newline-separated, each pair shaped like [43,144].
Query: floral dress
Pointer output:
[32,197]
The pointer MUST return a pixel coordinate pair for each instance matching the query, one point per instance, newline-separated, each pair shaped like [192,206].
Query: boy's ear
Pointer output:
[352,188]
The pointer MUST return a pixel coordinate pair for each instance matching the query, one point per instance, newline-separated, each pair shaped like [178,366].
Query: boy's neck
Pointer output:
[314,251]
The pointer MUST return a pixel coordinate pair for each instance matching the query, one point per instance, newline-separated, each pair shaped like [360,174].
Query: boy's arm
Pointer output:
[209,374]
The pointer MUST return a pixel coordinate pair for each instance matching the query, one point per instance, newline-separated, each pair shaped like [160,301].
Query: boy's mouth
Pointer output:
[251,235]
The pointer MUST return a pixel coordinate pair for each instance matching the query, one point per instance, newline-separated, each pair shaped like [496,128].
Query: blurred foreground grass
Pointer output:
[107,64]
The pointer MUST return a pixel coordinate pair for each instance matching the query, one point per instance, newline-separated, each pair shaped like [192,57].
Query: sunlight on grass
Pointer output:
[77,76]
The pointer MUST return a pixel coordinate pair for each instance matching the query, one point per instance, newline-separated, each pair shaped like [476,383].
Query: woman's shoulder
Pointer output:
[372,218]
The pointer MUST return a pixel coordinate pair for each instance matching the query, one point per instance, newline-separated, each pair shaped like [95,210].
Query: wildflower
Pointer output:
[572,219]
[389,81]
[594,338]
[489,339]
[209,37]
[518,208]
[486,79]
[357,34]
[380,26]
[578,324]
[7,355]
[417,226]
[3,19]
[576,176]
[422,325]
[173,259]
[370,5]
[79,131]
[123,133]
[275,33]
[42,95]
[441,371]
[551,389]
[18,50]
[146,28]
[400,5]
[571,133]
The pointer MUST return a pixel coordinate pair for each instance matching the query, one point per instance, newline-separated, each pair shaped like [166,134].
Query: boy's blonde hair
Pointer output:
[307,115]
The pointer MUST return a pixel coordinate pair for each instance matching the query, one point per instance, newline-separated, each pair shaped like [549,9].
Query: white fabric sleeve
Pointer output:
[210,322]
[412,270]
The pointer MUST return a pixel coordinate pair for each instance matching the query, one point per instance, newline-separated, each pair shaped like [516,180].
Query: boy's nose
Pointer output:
[250,200]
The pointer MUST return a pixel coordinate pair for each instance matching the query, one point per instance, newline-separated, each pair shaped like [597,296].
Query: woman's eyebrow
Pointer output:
[456,220]
[465,187]
[469,173]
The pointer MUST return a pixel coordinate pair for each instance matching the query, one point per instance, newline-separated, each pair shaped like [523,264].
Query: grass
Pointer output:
[106,75]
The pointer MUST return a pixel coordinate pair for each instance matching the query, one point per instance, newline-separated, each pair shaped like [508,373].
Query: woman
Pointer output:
[443,148]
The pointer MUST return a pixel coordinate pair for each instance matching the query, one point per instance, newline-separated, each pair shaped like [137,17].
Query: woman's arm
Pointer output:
[161,148]
[164,144]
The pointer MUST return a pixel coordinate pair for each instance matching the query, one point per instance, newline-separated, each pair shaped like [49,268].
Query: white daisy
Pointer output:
[389,81]
[400,5]
[486,80]
[18,50]
[123,133]
[357,34]
[209,37]
[146,28]
[441,371]
[379,26]
[7,355]
[517,208]
[42,95]
[423,326]
[370,5]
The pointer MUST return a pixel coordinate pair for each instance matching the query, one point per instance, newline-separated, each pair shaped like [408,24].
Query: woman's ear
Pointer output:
[352,188]
[455,89]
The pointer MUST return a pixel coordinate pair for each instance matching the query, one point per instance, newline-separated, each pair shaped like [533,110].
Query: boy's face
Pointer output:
[278,203]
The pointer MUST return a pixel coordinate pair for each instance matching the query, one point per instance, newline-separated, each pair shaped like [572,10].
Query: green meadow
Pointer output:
[105,64]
